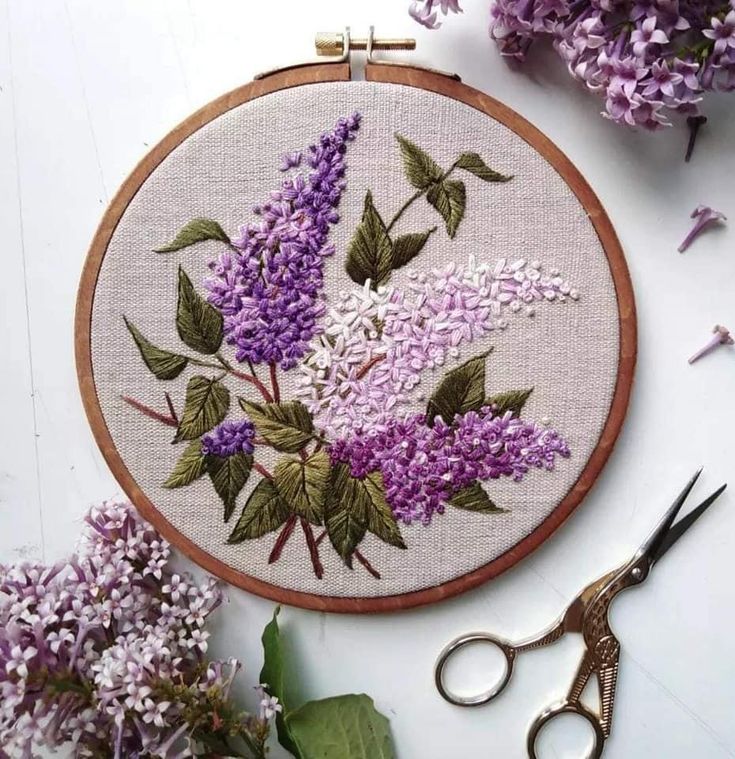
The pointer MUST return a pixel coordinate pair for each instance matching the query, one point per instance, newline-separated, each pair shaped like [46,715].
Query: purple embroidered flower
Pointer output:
[290,160]
[424,466]
[228,438]
[268,287]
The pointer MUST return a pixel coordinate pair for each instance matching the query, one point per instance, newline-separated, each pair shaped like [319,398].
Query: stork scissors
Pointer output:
[587,615]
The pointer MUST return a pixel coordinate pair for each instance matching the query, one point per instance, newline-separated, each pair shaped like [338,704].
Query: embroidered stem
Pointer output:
[171,408]
[367,366]
[262,470]
[374,572]
[313,550]
[415,197]
[274,384]
[251,378]
[282,539]
[170,421]
[321,537]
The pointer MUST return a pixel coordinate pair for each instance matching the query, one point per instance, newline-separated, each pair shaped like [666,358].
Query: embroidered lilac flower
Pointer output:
[423,466]
[290,160]
[722,336]
[377,344]
[268,288]
[228,438]
[705,216]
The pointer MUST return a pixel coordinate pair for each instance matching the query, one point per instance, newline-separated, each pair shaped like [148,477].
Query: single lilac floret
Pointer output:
[228,438]
[704,216]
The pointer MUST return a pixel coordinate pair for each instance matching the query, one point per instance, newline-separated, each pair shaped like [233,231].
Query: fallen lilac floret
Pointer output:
[721,336]
[704,216]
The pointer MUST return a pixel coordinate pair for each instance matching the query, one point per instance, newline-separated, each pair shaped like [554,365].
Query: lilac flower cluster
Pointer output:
[423,466]
[377,344]
[267,287]
[647,58]
[424,11]
[228,438]
[106,652]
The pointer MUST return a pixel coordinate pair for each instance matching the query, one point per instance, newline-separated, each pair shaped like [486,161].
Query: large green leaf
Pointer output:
[380,519]
[421,169]
[191,466]
[407,247]
[449,198]
[473,163]
[197,230]
[199,323]
[345,512]
[513,401]
[343,727]
[264,512]
[369,254]
[461,390]
[229,475]
[303,485]
[474,498]
[164,364]
[286,426]
[206,405]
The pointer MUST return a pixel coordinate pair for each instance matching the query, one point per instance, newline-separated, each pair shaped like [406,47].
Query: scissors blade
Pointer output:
[675,532]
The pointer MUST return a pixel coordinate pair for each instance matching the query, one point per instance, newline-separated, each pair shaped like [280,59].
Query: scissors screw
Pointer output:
[637,573]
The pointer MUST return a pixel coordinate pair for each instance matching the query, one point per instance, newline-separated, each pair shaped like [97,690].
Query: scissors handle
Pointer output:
[508,651]
[567,707]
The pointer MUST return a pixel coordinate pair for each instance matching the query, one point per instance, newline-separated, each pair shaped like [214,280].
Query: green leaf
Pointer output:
[229,475]
[219,745]
[286,426]
[264,512]
[273,675]
[206,405]
[191,466]
[369,252]
[199,323]
[421,169]
[407,247]
[197,230]
[164,364]
[449,198]
[380,519]
[345,512]
[303,485]
[343,727]
[475,165]
[461,390]
[474,498]
[512,401]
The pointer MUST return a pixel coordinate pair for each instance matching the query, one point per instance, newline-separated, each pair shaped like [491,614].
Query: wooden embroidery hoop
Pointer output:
[386,73]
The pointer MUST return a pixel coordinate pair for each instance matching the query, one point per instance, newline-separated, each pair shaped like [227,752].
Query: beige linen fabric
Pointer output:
[567,352]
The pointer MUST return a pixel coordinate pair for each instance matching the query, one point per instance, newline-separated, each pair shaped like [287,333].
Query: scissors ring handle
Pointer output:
[456,645]
[567,707]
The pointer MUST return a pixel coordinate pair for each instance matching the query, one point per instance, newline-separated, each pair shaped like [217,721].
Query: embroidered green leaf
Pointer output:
[380,519]
[346,511]
[421,169]
[512,401]
[197,230]
[475,165]
[303,485]
[343,727]
[369,252]
[407,247]
[164,364]
[264,512]
[449,198]
[207,402]
[199,323]
[191,466]
[229,475]
[461,390]
[273,673]
[474,498]
[286,426]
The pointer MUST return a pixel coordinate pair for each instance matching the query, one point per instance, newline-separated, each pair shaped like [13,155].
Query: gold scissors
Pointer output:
[588,615]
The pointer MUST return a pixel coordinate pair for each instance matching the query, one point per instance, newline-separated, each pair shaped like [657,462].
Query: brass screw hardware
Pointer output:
[333,44]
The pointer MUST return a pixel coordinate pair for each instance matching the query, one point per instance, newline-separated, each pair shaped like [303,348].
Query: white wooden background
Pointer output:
[86,87]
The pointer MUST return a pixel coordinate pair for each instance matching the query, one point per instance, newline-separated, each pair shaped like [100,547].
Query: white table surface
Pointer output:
[86,87]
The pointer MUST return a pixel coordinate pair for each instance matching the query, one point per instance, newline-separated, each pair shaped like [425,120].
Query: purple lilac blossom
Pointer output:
[423,466]
[378,344]
[268,286]
[424,11]
[90,649]
[228,438]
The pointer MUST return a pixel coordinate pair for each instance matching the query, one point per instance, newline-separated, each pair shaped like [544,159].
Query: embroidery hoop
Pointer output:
[379,72]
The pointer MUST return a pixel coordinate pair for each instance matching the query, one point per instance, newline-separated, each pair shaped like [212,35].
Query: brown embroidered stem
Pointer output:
[321,537]
[282,539]
[171,408]
[367,366]
[374,572]
[313,550]
[262,470]
[251,378]
[150,412]
[274,384]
